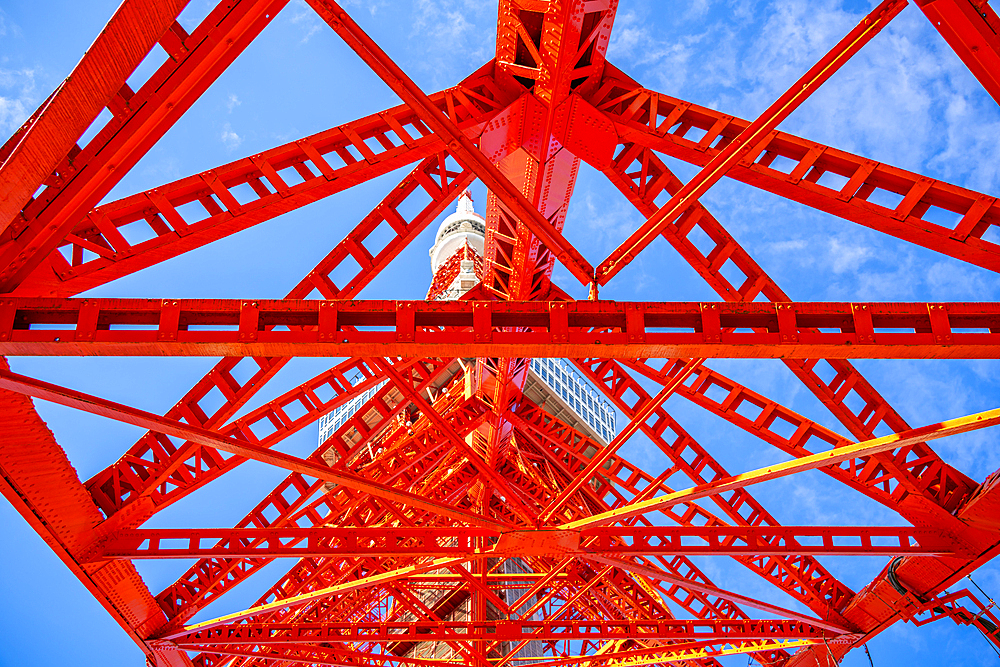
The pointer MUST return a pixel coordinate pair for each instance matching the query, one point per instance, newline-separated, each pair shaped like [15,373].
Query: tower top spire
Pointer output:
[458,249]
[464,204]
[464,225]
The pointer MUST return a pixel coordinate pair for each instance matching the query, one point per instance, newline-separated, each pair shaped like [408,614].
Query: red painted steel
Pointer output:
[324,164]
[906,483]
[194,62]
[972,29]
[828,179]
[265,634]
[449,541]
[48,138]
[750,138]
[237,327]
[549,536]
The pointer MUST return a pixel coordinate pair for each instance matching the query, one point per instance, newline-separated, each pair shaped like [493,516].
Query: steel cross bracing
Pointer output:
[409,511]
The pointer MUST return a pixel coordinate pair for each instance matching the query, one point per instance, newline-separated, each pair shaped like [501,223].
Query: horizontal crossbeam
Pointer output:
[462,540]
[508,630]
[202,327]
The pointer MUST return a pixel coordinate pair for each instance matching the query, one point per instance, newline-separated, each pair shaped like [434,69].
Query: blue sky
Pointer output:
[905,100]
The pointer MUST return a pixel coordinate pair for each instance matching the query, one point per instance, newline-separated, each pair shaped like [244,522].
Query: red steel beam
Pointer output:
[210,578]
[92,325]
[244,447]
[485,469]
[314,655]
[917,580]
[719,486]
[894,481]
[554,48]
[42,143]
[507,630]
[549,50]
[689,652]
[690,589]
[177,217]
[625,483]
[287,505]
[885,198]
[658,574]
[195,61]
[750,138]
[150,483]
[848,395]
[72,327]
[461,540]
[41,484]
[802,577]
[695,602]
[112,488]
[972,30]
[635,422]
[464,150]
[380,578]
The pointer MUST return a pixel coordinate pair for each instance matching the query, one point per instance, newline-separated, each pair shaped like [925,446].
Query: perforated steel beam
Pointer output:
[450,541]
[512,630]
[188,213]
[243,444]
[145,327]
[832,457]
[464,150]
[925,211]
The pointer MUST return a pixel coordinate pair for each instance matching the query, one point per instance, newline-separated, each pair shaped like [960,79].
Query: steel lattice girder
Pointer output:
[549,95]
[45,140]
[641,118]
[356,542]
[326,163]
[435,328]
[140,119]
[254,633]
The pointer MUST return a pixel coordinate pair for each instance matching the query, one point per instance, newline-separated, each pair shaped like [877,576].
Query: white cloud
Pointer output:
[8,27]
[846,257]
[306,18]
[372,6]
[17,98]
[952,281]
[229,138]
[451,37]
[904,99]
[607,223]
[232,102]
[633,42]
[782,247]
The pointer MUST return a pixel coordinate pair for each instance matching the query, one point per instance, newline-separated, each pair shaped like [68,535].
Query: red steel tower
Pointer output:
[450,489]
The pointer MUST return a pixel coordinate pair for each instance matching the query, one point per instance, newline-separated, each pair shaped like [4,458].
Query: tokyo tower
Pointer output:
[472,498]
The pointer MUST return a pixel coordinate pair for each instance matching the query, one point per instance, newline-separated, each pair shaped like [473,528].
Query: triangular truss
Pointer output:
[450,511]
